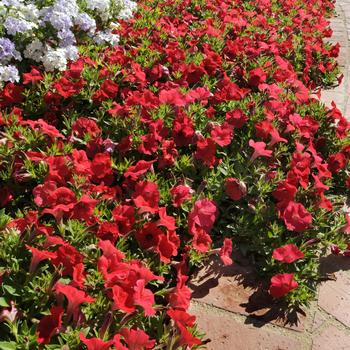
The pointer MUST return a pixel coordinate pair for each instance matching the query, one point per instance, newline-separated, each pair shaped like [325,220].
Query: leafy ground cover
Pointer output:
[122,173]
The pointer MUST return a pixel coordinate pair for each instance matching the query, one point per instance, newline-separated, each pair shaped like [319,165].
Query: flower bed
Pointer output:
[47,32]
[123,172]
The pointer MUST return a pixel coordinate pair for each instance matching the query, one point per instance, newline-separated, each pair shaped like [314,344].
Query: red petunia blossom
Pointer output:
[67,88]
[137,339]
[296,217]
[183,129]
[180,194]
[38,256]
[32,77]
[75,297]
[256,76]
[282,284]
[144,298]
[146,197]
[201,240]
[336,162]
[67,257]
[95,343]
[123,299]
[180,296]
[222,134]
[140,168]
[101,167]
[235,189]
[148,236]
[236,118]
[287,253]
[173,97]
[226,252]
[11,94]
[166,220]
[108,90]
[259,150]
[206,152]
[203,214]
[84,208]
[49,325]
[85,126]
[285,191]
[183,320]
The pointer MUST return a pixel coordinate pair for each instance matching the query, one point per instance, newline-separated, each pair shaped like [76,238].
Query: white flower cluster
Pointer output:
[48,33]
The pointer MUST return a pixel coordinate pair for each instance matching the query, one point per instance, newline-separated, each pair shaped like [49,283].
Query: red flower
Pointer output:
[166,220]
[140,168]
[32,77]
[226,252]
[74,296]
[148,236]
[296,217]
[38,256]
[101,167]
[206,152]
[282,284]
[259,150]
[84,209]
[146,197]
[235,189]
[50,325]
[287,253]
[144,298]
[173,97]
[67,88]
[336,162]
[236,118]
[201,240]
[95,343]
[203,214]
[256,77]
[123,299]
[222,134]
[180,194]
[183,130]
[85,126]
[137,339]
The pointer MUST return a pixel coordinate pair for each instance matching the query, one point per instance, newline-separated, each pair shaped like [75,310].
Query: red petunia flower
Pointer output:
[235,189]
[49,325]
[203,214]
[146,197]
[75,298]
[144,298]
[95,343]
[282,284]
[32,77]
[296,217]
[137,339]
[180,194]
[206,152]
[226,252]
[287,253]
[38,256]
[259,150]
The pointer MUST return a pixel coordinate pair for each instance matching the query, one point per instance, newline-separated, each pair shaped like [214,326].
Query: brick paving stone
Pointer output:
[334,296]
[319,320]
[226,333]
[331,338]
[237,289]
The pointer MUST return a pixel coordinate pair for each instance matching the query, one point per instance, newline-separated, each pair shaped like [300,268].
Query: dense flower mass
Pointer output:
[197,135]
[47,32]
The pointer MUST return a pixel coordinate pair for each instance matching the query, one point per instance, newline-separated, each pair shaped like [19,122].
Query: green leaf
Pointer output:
[7,345]
[10,290]
[3,302]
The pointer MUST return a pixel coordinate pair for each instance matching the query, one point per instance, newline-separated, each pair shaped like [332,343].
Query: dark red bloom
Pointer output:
[259,150]
[235,189]
[203,215]
[146,197]
[206,151]
[180,194]
[287,253]
[85,126]
[282,284]
[32,77]
[50,325]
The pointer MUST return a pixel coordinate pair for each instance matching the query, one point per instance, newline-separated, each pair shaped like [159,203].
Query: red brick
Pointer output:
[226,333]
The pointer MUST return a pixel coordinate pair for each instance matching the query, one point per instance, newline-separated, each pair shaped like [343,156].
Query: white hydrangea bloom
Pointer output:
[34,50]
[106,36]
[55,59]
[98,5]
[9,73]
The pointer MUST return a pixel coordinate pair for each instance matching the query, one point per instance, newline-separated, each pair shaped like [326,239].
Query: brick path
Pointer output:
[234,312]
